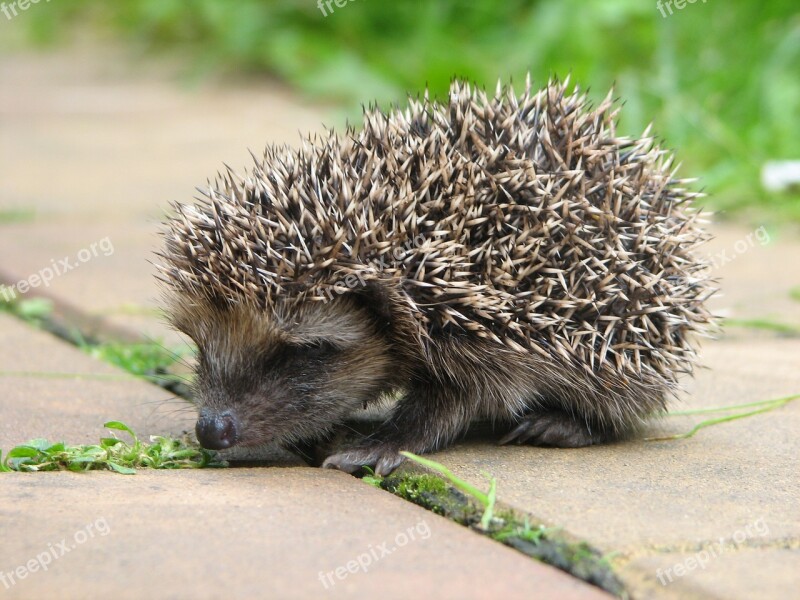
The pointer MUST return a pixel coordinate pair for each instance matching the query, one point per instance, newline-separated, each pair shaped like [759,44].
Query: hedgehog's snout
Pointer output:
[217,430]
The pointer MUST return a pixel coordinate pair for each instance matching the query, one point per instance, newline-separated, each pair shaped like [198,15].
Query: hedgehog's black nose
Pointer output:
[216,431]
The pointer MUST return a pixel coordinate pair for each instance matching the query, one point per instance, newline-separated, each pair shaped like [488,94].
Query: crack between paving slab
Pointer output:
[634,575]
[70,323]
[74,326]
[718,548]
[510,526]
[728,545]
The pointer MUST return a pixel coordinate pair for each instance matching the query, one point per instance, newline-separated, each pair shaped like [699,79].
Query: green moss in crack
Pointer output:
[30,310]
[430,492]
[578,559]
[487,500]
[764,324]
[151,360]
[17,215]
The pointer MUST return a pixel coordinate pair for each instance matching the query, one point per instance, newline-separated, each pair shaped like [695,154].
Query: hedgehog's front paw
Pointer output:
[382,459]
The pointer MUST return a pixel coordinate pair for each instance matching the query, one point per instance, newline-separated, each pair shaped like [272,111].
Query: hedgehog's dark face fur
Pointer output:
[286,376]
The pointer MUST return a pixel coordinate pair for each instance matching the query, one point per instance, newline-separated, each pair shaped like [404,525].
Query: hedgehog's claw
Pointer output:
[551,429]
[382,459]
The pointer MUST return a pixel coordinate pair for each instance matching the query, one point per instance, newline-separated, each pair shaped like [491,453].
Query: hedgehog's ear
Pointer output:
[376,297]
[392,311]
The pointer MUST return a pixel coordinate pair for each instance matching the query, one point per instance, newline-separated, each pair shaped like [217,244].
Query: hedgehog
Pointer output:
[505,258]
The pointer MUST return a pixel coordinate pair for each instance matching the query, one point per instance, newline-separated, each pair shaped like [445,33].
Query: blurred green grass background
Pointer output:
[719,80]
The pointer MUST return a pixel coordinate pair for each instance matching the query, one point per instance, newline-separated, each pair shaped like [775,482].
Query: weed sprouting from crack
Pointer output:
[111,453]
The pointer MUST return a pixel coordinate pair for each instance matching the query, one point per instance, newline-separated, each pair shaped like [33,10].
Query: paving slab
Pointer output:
[246,533]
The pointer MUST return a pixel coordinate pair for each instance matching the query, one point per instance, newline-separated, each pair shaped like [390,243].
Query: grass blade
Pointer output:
[766,407]
[448,474]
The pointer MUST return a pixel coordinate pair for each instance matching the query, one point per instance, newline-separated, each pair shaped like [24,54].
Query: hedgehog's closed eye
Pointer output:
[317,349]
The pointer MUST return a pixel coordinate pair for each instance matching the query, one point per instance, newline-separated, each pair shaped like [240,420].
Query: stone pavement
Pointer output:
[100,150]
